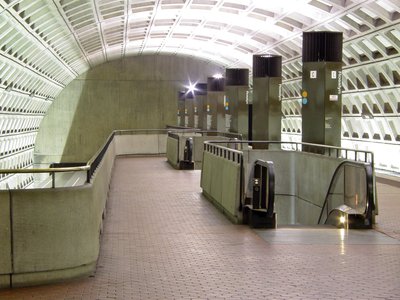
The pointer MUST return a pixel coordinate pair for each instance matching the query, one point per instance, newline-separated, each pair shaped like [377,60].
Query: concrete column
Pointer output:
[236,90]
[321,87]
[215,104]
[189,107]
[205,113]
[201,105]
[266,109]
[181,108]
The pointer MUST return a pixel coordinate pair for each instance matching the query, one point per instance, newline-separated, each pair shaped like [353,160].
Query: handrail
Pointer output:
[93,162]
[221,133]
[139,131]
[368,155]
[46,170]
[370,205]
[52,171]
[98,157]
[175,133]
[225,152]
[180,127]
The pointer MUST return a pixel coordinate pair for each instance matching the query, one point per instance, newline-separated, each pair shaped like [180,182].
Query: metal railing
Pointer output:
[96,159]
[222,151]
[93,162]
[176,133]
[325,150]
[52,171]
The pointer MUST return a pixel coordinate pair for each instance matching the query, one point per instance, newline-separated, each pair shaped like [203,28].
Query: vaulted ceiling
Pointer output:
[45,44]
[74,35]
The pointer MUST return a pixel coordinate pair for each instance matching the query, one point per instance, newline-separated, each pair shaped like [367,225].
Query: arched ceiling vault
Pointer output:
[45,44]
[75,35]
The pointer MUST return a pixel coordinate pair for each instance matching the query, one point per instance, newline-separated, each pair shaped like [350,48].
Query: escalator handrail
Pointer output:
[269,165]
[370,205]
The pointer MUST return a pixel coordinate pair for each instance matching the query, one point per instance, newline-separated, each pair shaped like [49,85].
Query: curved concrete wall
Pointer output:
[56,232]
[49,235]
[132,93]
[141,144]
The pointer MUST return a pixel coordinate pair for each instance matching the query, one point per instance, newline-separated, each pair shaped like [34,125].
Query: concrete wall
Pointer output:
[53,234]
[141,144]
[5,239]
[53,231]
[56,232]
[132,93]
[172,151]
[220,181]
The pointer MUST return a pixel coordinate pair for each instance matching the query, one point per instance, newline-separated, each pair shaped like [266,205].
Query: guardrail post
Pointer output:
[53,180]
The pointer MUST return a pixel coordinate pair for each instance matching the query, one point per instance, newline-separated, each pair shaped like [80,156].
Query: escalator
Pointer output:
[258,210]
[349,202]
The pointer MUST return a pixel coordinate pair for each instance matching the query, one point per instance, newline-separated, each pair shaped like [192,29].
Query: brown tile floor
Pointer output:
[163,240]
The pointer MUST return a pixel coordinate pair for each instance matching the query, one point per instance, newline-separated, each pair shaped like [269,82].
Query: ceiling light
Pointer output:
[217,76]
[191,88]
